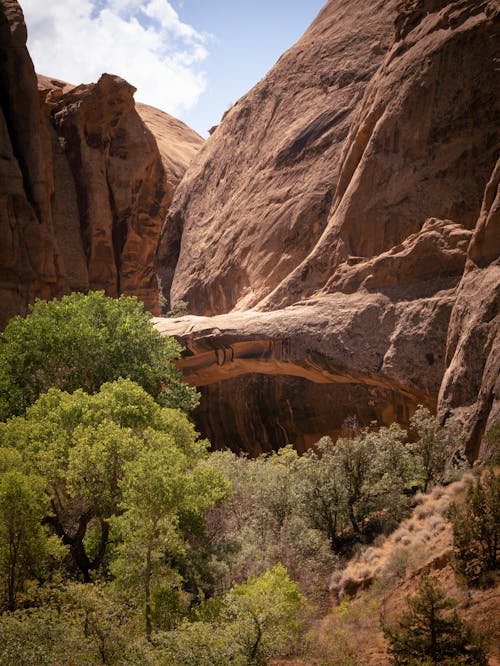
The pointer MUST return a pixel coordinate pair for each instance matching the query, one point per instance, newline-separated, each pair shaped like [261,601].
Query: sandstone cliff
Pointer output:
[86,180]
[330,215]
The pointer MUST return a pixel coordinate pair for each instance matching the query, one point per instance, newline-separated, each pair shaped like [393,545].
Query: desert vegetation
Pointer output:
[125,540]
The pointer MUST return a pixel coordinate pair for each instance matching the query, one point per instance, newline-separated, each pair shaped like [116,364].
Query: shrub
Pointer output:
[476,529]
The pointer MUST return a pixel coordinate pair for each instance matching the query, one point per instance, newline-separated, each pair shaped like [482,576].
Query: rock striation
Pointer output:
[470,390]
[85,184]
[328,230]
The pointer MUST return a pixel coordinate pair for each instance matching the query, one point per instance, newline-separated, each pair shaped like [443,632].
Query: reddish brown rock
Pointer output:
[337,200]
[358,135]
[257,197]
[119,182]
[471,385]
[29,262]
[374,352]
[84,184]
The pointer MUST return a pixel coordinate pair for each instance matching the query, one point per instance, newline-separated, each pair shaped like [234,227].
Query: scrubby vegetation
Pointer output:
[476,530]
[124,541]
[427,634]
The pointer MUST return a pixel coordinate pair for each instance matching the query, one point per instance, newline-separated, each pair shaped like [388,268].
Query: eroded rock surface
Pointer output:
[29,262]
[84,183]
[329,216]
[371,350]
[471,385]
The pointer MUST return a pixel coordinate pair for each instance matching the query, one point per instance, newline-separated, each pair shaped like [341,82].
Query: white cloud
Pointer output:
[143,41]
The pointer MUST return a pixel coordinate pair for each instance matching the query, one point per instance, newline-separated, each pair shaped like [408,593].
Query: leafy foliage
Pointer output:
[265,611]
[476,529]
[25,544]
[81,342]
[157,488]
[436,447]
[81,444]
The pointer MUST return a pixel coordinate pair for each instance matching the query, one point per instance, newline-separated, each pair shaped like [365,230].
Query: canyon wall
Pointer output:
[336,220]
[84,182]
[335,242]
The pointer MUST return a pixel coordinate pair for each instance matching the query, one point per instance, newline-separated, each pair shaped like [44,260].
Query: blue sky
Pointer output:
[249,37]
[192,58]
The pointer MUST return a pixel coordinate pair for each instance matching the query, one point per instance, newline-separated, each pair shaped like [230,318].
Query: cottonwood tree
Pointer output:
[80,444]
[158,486]
[81,342]
[25,544]
[264,612]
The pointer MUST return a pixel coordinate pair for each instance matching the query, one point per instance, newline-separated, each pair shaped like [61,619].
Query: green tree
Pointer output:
[83,341]
[25,544]
[351,479]
[476,529]
[265,614]
[321,491]
[72,625]
[435,447]
[428,633]
[158,487]
[80,444]
[199,644]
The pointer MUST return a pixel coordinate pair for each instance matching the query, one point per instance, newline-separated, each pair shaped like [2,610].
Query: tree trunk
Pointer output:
[147,591]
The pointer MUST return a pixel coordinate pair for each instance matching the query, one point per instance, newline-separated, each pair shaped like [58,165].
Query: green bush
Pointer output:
[83,341]
[476,530]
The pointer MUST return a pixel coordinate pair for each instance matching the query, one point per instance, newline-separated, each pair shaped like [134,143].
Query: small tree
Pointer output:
[24,541]
[158,487]
[265,613]
[435,446]
[426,634]
[476,529]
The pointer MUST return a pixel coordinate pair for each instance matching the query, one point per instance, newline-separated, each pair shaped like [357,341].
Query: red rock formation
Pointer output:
[84,183]
[340,195]
[373,349]
[471,385]
[29,262]
[119,182]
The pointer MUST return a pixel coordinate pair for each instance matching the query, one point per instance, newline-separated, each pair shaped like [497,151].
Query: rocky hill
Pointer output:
[85,181]
[338,235]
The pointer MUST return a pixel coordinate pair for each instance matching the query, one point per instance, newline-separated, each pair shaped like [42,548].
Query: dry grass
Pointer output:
[380,579]
[417,539]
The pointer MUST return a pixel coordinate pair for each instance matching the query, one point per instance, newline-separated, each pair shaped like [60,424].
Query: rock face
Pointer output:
[471,385]
[365,351]
[84,183]
[29,263]
[329,216]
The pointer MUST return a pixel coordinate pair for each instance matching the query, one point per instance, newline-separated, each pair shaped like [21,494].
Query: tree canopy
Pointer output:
[81,342]
[81,444]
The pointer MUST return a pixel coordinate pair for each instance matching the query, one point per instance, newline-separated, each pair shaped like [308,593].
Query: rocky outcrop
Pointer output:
[360,133]
[471,386]
[258,197]
[85,184]
[329,216]
[29,263]
[372,350]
